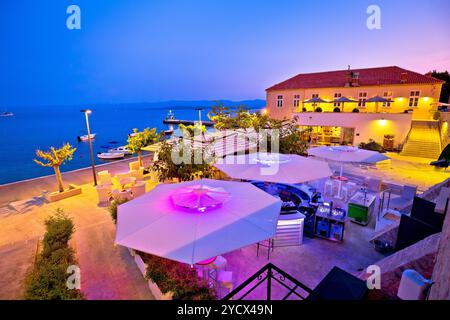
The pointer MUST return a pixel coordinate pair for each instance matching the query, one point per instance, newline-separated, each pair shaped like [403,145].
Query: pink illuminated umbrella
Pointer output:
[274,167]
[199,197]
[193,221]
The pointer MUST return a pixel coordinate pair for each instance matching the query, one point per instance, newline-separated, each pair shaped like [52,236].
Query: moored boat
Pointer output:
[122,149]
[110,155]
[86,137]
[6,114]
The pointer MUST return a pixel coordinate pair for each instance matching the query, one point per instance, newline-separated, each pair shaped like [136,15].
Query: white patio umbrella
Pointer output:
[193,221]
[344,154]
[274,167]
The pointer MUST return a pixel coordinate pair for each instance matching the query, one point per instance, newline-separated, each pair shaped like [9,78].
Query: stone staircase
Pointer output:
[423,140]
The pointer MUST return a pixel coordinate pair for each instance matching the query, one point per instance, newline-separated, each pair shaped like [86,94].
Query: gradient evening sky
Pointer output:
[141,50]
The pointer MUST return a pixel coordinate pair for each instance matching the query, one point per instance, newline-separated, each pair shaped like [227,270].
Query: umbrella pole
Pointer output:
[340,181]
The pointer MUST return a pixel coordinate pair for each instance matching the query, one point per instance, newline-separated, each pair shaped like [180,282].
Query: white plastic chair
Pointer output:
[104,177]
[225,279]
[328,188]
[104,194]
[138,189]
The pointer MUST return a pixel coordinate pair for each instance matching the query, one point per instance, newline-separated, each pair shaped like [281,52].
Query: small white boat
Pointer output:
[86,137]
[122,149]
[110,155]
[6,114]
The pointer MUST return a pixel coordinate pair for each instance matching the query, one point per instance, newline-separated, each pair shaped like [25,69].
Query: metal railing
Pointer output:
[271,274]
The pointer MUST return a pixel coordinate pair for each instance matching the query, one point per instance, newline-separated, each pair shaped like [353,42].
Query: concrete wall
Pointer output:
[445,128]
[429,96]
[367,125]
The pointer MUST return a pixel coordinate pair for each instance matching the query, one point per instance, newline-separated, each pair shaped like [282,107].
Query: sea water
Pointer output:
[41,127]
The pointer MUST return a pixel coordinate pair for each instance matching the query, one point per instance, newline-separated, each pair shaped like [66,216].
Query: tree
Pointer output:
[187,170]
[221,116]
[192,129]
[139,140]
[55,158]
[243,119]
[445,93]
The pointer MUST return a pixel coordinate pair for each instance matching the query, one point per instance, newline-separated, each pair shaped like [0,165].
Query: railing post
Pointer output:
[269,283]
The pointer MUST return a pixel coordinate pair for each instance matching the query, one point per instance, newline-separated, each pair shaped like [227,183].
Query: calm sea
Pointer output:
[41,127]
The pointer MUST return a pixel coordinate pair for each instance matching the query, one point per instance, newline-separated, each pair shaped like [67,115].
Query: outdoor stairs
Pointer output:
[423,140]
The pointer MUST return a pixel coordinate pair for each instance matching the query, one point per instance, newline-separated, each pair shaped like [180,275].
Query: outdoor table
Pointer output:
[124,194]
[124,182]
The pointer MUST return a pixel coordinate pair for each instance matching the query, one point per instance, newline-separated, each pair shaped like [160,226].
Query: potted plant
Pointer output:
[139,140]
[336,109]
[318,109]
[187,170]
[55,158]
[356,110]
[388,142]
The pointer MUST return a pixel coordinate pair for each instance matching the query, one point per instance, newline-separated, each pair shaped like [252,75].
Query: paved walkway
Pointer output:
[401,170]
[107,272]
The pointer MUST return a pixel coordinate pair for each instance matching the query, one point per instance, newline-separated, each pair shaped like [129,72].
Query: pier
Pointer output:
[187,122]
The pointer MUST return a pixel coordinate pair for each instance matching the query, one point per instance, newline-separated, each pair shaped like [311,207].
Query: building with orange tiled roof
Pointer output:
[402,99]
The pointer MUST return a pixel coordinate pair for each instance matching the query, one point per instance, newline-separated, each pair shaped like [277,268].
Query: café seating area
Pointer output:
[122,186]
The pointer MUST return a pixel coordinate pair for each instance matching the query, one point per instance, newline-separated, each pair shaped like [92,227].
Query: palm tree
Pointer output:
[139,140]
[55,158]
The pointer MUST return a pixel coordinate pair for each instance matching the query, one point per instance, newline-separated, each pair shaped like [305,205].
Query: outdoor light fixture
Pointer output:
[199,198]
[87,112]
[382,122]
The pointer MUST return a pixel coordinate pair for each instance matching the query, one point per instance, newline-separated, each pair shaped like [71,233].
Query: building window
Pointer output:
[314,95]
[280,101]
[387,95]
[296,100]
[414,98]
[337,95]
[362,97]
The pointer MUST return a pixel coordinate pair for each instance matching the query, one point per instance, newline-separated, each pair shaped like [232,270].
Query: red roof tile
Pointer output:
[367,77]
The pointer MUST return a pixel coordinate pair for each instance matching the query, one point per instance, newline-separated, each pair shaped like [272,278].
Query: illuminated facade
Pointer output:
[409,96]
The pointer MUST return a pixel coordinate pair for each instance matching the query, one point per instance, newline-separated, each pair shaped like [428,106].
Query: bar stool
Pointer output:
[217,266]
[225,279]
[328,189]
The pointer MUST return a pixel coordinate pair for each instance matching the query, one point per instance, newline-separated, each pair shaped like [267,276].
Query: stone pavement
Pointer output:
[107,272]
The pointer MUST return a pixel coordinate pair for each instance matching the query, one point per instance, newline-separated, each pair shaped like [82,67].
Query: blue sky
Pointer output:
[141,50]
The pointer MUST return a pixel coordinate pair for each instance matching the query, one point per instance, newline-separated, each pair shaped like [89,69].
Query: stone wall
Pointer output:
[441,273]
[420,257]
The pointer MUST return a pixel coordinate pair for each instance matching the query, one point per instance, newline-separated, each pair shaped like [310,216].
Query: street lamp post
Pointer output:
[199,116]
[87,112]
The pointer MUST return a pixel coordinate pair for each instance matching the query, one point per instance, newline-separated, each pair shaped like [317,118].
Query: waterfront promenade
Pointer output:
[107,271]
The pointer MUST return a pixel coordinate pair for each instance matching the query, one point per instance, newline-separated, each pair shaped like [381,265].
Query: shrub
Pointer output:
[304,109]
[356,110]
[336,109]
[372,145]
[436,115]
[178,278]
[113,208]
[59,231]
[318,109]
[48,279]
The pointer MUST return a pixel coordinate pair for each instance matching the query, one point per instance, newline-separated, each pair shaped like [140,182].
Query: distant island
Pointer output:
[174,104]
